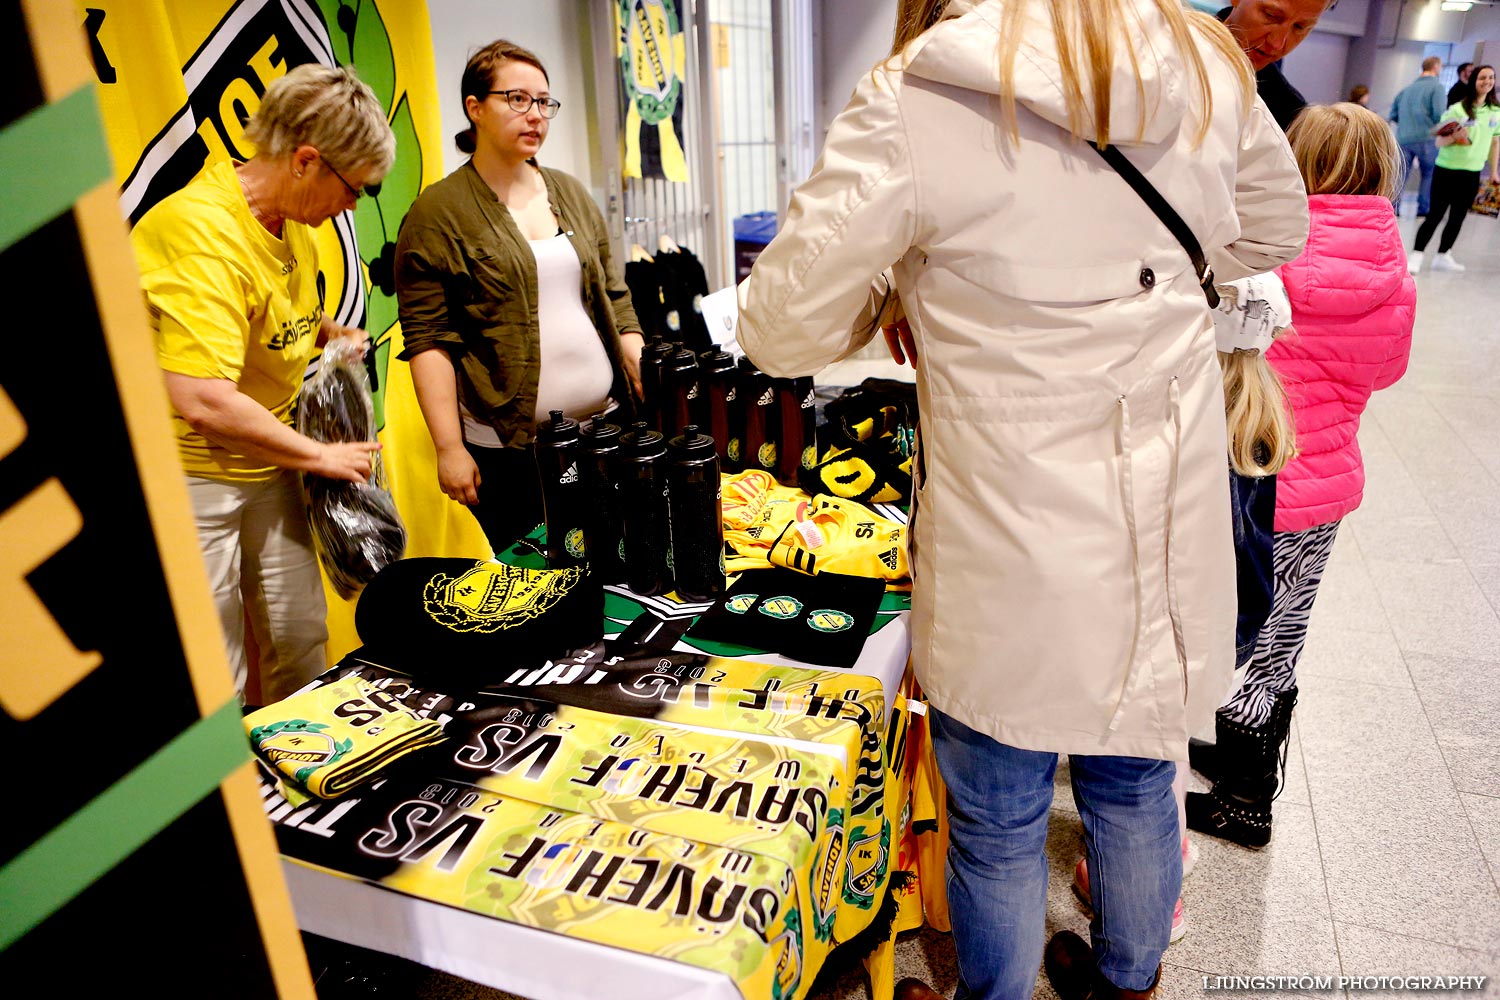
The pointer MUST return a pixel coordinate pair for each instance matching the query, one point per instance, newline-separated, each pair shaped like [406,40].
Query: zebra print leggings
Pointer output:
[1299,558]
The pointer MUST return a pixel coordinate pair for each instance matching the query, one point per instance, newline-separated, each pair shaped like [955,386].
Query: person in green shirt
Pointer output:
[1455,180]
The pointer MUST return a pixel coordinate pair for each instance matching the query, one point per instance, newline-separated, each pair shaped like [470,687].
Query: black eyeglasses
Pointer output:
[370,189]
[520,102]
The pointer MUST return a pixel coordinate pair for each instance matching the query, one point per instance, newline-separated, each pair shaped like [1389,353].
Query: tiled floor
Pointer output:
[1387,838]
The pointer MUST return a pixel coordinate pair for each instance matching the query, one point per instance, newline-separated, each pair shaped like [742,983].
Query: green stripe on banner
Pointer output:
[76,853]
[48,158]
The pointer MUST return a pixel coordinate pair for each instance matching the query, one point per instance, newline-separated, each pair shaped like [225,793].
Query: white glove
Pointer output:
[1251,313]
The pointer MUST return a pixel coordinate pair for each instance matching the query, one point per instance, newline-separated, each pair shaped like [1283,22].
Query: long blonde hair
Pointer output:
[1090,34]
[1261,437]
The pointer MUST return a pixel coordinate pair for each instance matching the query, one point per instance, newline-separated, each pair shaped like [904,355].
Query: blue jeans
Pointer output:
[998,801]
[1252,503]
[1425,153]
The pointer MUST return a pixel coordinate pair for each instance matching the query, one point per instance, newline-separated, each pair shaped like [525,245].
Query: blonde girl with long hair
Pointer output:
[1352,306]
[1073,580]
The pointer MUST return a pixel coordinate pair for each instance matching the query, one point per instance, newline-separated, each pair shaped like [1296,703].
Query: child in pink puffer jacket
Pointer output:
[1353,305]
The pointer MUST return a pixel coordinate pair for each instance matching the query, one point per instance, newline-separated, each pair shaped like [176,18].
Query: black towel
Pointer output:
[821,619]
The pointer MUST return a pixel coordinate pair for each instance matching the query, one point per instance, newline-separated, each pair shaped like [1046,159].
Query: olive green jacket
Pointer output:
[466,282]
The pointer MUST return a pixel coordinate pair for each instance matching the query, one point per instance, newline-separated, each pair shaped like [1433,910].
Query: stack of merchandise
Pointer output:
[771,525]
[329,739]
[868,440]
[720,813]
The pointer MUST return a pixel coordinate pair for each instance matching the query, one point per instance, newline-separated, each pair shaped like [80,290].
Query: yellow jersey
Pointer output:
[228,300]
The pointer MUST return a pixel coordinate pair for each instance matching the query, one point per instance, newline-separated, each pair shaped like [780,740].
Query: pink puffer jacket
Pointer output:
[1353,305]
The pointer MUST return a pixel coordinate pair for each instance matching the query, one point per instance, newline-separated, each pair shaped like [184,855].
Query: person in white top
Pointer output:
[510,303]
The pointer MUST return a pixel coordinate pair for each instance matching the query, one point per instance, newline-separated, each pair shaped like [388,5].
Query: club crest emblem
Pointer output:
[493,596]
[781,607]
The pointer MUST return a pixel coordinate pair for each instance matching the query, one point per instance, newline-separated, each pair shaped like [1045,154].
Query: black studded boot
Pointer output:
[1251,764]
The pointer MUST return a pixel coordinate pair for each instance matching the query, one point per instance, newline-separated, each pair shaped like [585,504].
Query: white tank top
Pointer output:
[576,374]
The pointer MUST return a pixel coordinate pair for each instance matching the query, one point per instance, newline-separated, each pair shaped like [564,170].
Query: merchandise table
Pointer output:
[356,908]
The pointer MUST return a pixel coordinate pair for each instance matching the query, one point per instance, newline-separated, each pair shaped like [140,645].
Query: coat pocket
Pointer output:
[1078,283]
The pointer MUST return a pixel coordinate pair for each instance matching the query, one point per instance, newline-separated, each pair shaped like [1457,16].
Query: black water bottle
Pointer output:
[653,355]
[643,495]
[683,381]
[719,391]
[697,517]
[563,502]
[762,422]
[603,527]
[797,447]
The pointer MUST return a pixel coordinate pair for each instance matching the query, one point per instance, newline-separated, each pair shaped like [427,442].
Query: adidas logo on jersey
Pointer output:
[571,476]
[810,401]
[891,558]
[767,398]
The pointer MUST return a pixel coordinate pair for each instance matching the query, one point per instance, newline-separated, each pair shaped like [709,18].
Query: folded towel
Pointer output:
[332,738]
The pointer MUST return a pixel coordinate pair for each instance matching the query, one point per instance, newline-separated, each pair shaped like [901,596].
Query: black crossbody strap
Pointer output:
[1168,217]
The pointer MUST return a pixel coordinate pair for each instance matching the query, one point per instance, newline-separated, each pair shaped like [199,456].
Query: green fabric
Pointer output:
[78,852]
[466,282]
[48,159]
[1481,135]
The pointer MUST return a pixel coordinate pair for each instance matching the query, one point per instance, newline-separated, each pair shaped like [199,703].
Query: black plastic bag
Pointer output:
[355,526]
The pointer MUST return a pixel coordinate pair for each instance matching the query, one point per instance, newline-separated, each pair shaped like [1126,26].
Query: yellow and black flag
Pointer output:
[653,74]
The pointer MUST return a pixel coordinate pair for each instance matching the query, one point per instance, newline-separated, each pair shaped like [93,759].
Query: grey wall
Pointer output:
[1481,32]
[1317,67]
[855,35]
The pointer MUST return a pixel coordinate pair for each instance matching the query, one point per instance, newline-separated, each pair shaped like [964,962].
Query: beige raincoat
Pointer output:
[1074,584]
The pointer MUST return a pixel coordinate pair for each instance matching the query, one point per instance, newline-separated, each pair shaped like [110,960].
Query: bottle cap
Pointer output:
[658,348]
[599,434]
[716,360]
[641,441]
[559,430]
[692,445]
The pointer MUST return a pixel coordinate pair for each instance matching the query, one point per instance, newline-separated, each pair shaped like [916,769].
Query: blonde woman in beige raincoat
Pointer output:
[1074,585]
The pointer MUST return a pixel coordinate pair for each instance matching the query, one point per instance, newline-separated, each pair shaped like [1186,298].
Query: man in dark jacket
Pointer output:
[1268,30]
[1461,85]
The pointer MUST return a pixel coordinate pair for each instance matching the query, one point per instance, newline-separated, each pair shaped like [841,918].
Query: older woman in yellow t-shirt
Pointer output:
[230,271]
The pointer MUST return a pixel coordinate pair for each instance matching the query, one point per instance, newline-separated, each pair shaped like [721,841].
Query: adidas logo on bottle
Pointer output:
[767,399]
[571,476]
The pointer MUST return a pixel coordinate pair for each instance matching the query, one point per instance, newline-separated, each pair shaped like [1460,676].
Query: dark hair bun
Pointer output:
[465,141]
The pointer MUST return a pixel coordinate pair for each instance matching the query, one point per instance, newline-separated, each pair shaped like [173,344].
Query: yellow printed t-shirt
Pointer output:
[228,300]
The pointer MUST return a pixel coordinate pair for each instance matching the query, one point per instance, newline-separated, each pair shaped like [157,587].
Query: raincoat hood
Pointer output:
[962,50]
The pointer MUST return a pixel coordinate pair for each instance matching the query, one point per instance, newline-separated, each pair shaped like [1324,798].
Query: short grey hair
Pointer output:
[329,108]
